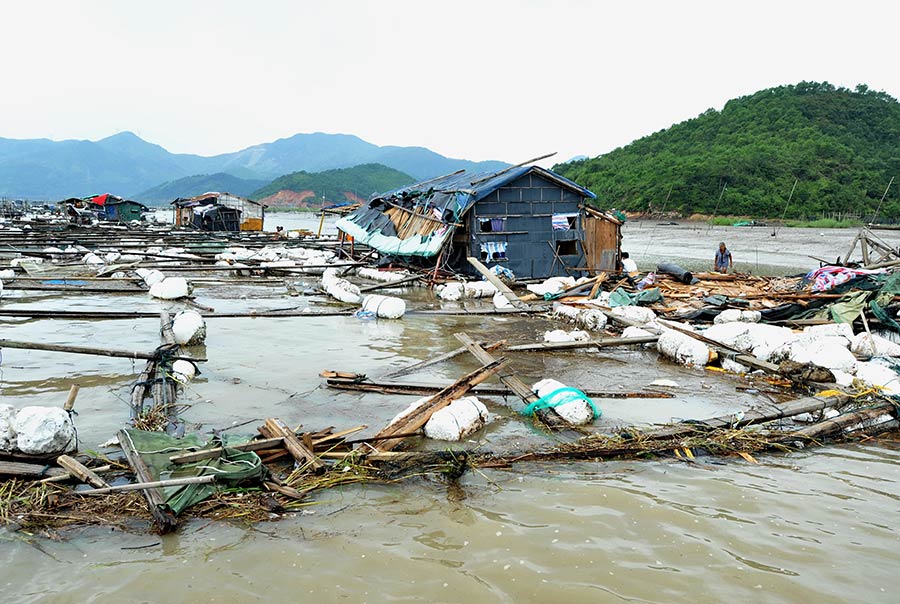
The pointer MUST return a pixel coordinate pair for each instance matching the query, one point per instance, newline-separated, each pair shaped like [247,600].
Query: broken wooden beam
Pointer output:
[601,343]
[80,471]
[156,502]
[547,415]
[105,352]
[350,381]
[275,428]
[29,470]
[496,282]
[438,359]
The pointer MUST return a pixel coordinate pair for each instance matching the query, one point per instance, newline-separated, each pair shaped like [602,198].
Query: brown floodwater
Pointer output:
[816,525]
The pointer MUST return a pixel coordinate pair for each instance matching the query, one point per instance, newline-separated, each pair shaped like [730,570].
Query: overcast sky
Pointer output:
[479,80]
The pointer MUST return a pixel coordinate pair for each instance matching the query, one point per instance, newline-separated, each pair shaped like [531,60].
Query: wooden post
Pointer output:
[70,399]
[156,502]
[496,282]
[81,472]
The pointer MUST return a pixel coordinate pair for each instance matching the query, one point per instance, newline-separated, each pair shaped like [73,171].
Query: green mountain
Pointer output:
[343,184]
[189,186]
[842,146]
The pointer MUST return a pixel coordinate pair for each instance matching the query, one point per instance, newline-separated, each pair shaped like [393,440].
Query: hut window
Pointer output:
[564,222]
[493,251]
[567,247]
[492,225]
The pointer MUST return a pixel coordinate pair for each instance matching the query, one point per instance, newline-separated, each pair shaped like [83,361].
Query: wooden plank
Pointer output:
[438,359]
[414,420]
[164,519]
[16,468]
[385,285]
[105,352]
[547,415]
[423,389]
[751,417]
[66,476]
[80,471]
[496,282]
[601,343]
[274,427]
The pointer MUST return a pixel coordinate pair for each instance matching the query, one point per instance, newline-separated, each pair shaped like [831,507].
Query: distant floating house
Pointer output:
[106,207]
[117,209]
[251,213]
[527,219]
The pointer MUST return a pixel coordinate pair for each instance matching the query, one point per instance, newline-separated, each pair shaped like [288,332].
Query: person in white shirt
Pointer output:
[629,266]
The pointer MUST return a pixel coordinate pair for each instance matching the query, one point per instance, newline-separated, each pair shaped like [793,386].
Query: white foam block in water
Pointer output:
[44,430]
[384,307]
[189,328]
[171,288]
[576,410]
[7,427]
[457,420]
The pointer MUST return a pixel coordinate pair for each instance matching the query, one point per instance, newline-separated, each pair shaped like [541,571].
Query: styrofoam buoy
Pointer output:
[457,420]
[189,328]
[150,277]
[183,371]
[340,289]
[384,307]
[575,409]
[683,349]
[171,288]
[451,292]
[44,430]
[7,427]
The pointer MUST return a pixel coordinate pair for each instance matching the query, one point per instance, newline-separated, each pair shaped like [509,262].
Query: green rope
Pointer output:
[547,401]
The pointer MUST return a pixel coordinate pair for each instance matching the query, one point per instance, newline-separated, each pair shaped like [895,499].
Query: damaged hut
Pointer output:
[107,206]
[250,214]
[526,219]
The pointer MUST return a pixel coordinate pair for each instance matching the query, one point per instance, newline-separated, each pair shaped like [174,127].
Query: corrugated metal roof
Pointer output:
[480,185]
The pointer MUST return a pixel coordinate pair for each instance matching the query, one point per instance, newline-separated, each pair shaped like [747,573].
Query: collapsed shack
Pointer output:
[219,212]
[528,221]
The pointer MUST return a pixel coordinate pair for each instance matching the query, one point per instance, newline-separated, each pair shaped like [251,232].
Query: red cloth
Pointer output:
[100,199]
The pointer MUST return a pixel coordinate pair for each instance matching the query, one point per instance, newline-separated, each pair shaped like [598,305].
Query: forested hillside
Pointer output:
[335,185]
[842,146]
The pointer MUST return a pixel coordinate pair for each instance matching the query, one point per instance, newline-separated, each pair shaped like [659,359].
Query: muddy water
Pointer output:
[816,525]
[755,249]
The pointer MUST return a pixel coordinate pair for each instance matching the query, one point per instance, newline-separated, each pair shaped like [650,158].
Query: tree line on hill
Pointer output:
[840,146]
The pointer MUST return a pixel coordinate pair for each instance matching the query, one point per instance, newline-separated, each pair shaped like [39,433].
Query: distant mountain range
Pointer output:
[127,165]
